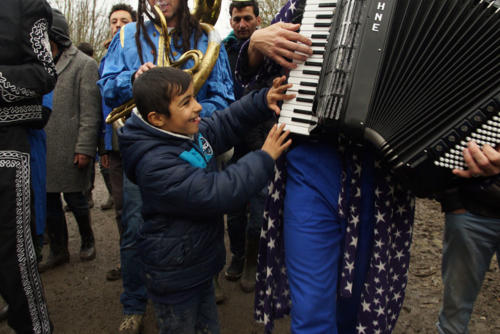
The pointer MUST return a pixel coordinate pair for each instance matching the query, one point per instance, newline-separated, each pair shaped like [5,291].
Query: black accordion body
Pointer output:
[416,78]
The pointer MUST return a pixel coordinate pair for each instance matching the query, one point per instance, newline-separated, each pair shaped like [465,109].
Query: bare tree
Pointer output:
[268,9]
[87,21]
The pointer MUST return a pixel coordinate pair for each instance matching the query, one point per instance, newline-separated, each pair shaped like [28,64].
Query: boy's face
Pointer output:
[184,114]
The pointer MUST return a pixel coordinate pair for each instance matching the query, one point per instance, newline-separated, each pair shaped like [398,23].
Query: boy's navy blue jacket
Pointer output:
[184,196]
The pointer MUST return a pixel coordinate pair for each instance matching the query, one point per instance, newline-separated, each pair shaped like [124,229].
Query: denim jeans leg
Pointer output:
[195,315]
[134,296]
[469,244]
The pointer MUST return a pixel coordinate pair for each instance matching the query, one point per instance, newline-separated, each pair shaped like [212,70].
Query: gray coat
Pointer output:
[75,121]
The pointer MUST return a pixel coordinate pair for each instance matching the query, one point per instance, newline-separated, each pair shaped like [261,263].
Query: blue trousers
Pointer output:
[195,315]
[469,244]
[314,237]
[134,296]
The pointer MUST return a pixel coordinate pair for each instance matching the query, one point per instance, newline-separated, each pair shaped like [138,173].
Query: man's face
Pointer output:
[118,19]
[168,8]
[244,22]
[184,114]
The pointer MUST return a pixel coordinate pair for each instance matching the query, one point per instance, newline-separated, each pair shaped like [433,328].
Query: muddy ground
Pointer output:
[81,301]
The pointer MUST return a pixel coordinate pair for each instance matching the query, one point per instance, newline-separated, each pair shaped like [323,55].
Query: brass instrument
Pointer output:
[207,11]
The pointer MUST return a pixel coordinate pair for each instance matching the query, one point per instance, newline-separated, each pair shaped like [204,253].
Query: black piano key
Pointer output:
[321,24]
[318,52]
[319,36]
[303,112]
[305,121]
[313,63]
[307,92]
[309,84]
[324,16]
[302,99]
[328,4]
[309,72]
[319,44]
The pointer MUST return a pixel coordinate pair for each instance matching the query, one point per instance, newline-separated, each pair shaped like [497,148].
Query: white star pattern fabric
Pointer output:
[383,292]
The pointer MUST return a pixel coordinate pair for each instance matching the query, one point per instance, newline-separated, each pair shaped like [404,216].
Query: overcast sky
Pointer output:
[222,25]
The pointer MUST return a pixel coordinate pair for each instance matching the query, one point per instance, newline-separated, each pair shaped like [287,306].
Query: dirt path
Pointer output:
[81,301]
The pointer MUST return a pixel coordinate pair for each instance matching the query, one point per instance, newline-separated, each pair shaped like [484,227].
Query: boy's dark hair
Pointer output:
[125,7]
[86,48]
[242,4]
[154,89]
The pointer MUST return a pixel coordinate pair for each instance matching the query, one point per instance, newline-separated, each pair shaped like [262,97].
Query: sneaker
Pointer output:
[131,324]
[235,269]
[108,204]
[114,274]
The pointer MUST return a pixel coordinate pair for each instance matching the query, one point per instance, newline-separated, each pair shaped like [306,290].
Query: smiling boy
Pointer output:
[168,151]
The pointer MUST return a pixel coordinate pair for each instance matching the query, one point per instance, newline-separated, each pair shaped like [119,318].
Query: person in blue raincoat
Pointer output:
[137,48]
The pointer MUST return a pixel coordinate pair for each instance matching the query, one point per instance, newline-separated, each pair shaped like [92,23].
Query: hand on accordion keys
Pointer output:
[277,93]
[279,42]
[481,161]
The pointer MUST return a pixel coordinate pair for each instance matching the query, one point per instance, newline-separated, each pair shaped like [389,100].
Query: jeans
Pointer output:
[469,244]
[246,222]
[195,315]
[134,296]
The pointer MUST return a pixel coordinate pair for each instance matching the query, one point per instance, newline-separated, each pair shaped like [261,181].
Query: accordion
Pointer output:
[418,79]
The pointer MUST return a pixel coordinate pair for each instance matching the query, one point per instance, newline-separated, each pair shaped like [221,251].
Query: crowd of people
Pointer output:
[310,222]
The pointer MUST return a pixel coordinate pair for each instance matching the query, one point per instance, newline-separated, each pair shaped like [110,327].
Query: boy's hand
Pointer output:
[274,145]
[276,93]
[144,68]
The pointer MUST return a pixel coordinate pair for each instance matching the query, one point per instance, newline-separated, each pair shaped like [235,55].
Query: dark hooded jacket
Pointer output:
[184,196]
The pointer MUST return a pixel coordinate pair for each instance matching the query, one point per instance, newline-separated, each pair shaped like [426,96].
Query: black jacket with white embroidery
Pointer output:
[27,71]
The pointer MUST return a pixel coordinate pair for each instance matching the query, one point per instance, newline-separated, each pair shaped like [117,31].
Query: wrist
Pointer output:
[255,58]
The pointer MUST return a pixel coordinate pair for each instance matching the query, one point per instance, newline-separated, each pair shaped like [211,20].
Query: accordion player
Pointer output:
[417,79]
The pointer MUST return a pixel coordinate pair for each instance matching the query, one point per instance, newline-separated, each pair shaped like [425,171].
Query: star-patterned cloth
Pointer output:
[385,283]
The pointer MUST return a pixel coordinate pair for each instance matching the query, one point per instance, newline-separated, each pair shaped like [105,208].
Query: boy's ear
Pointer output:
[156,119]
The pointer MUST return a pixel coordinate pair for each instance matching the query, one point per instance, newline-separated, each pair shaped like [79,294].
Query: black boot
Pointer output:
[57,232]
[87,250]
[247,281]
[235,269]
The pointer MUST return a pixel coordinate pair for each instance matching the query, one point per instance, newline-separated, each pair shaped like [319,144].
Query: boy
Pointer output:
[168,150]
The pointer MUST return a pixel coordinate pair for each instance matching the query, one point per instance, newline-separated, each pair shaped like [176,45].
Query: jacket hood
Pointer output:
[59,31]
[230,38]
[137,137]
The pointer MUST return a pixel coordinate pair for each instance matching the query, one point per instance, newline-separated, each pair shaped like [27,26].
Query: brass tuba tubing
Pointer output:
[205,10]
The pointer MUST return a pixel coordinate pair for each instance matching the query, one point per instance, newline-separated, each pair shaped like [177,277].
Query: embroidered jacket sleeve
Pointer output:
[26,67]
